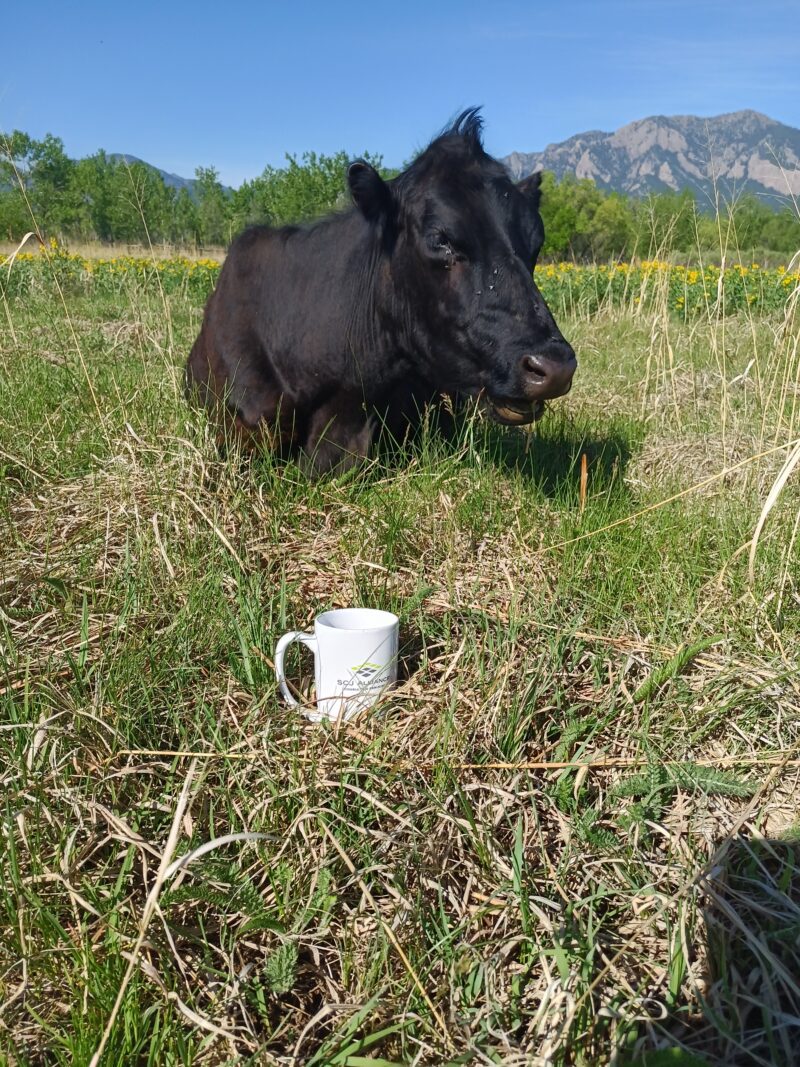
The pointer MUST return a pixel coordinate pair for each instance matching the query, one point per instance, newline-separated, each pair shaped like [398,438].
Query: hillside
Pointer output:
[740,151]
[172,181]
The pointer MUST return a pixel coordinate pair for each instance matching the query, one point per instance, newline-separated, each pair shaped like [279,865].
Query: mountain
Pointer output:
[174,181]
[743,151]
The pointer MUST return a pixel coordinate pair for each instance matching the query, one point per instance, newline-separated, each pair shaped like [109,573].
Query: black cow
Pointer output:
[316,336]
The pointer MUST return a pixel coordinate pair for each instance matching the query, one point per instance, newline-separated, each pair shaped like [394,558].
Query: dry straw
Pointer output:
[149,908]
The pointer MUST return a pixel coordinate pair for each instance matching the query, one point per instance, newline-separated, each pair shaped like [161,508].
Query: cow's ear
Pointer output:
[370,192]
[531,187]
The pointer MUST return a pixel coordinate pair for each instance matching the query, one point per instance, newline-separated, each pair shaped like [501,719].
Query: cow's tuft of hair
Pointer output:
[469,125]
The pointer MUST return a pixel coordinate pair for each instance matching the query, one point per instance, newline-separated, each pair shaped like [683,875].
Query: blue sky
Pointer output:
[237,85]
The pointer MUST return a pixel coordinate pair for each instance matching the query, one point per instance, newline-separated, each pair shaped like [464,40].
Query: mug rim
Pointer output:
[388,618]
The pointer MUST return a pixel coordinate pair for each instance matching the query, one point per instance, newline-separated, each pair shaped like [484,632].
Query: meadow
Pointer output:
[569,837]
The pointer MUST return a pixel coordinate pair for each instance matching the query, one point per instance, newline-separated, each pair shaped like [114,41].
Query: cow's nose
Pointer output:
[548,372]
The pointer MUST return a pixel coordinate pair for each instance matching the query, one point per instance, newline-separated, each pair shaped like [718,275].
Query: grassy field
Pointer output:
[569,837]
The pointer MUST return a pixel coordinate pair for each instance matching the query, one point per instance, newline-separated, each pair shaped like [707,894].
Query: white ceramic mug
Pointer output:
[355,660]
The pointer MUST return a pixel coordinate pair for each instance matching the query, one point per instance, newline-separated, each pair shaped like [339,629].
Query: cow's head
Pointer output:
[462,241]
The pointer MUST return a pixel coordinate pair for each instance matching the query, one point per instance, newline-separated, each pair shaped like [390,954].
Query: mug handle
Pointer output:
[280,651]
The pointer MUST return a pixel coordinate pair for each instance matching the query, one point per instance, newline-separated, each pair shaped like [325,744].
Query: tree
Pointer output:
[212,207]
[185,228]
[44,171]
[52,192]
[666,223]
[612,231]
[301,190]
[15,219]
[92,181]
[15,158]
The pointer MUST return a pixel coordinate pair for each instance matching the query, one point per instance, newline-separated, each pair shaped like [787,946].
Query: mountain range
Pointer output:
[743,151]
[173,181]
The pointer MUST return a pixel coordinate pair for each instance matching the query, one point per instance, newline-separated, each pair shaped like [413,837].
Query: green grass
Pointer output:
[425,891]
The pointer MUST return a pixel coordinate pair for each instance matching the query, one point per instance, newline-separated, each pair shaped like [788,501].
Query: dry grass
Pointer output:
[559,841]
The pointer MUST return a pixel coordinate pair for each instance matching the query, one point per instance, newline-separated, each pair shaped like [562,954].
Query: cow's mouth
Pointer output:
[516,413]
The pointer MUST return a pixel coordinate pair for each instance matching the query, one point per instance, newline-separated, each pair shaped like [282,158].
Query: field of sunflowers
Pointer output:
[569,288]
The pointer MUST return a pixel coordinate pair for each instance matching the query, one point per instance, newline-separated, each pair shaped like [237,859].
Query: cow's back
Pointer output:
[278,330]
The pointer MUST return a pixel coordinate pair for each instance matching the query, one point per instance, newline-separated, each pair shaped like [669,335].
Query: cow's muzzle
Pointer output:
[541,375]
[547,374]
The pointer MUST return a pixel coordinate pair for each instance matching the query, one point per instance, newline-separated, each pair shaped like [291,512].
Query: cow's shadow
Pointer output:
[746,1009]
[551,457]
[548,456]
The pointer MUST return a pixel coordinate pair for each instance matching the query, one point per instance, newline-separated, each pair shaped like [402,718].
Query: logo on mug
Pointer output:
[365,676]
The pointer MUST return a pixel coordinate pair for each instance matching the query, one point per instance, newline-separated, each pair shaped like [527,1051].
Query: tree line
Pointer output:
[109,199]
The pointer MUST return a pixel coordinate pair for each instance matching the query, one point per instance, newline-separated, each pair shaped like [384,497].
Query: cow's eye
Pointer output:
[442,248]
